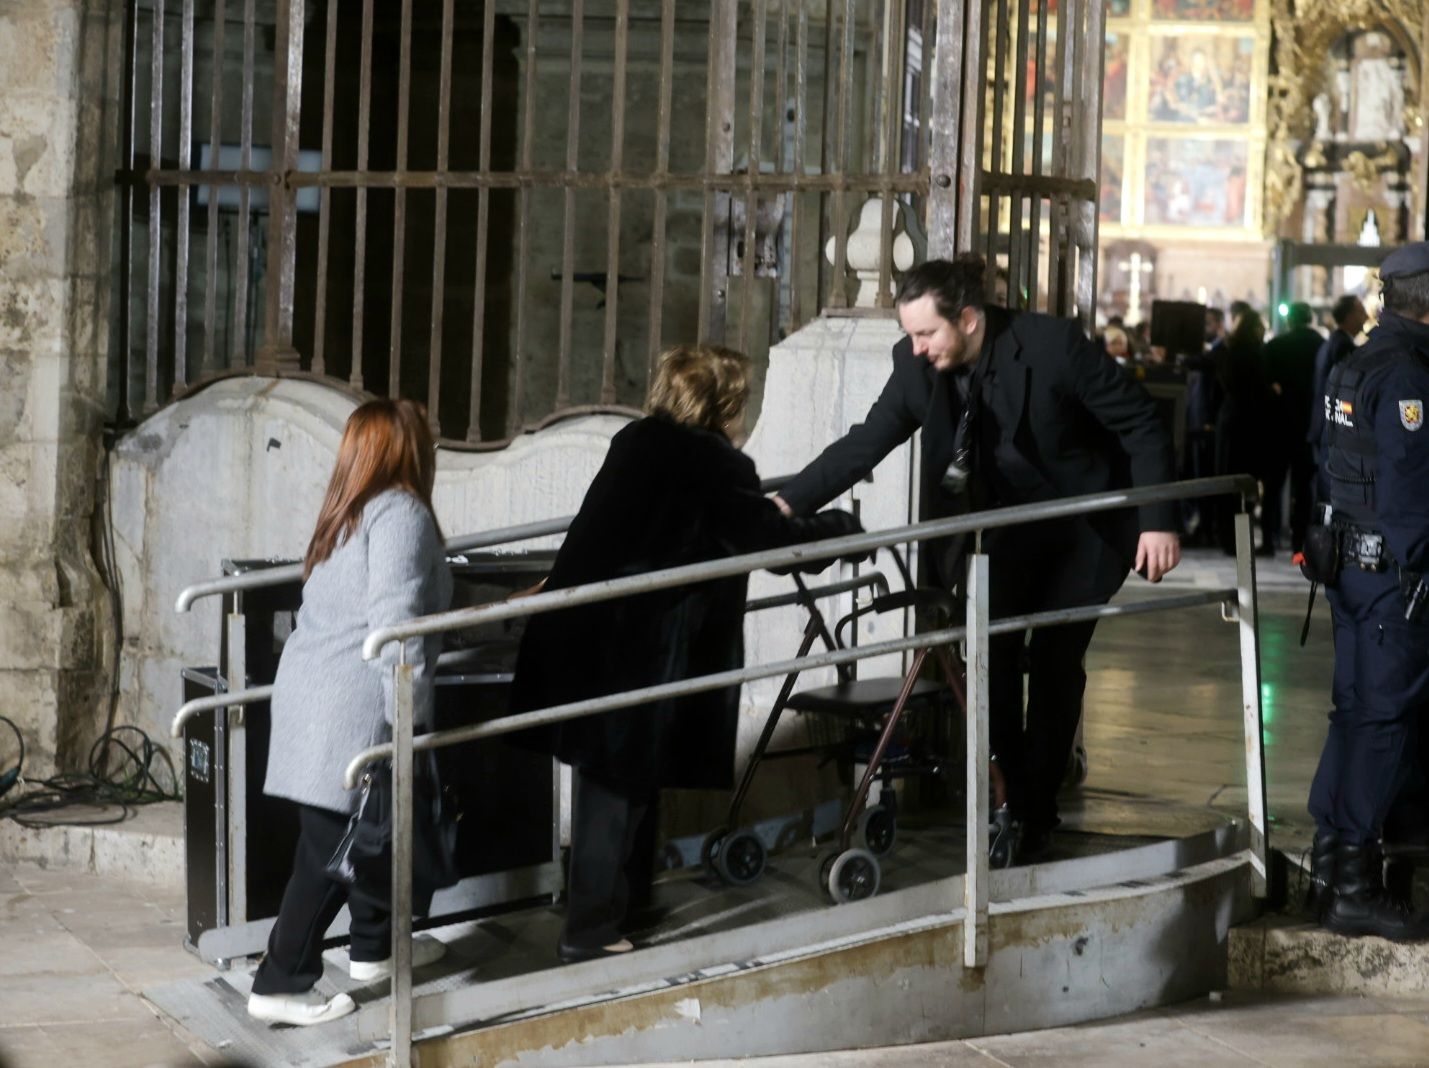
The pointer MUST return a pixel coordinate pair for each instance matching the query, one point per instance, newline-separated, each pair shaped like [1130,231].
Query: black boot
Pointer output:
[1360,906]
[1322,874]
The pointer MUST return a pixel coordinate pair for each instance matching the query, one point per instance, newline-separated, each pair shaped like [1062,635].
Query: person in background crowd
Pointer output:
[1240,420]
[674,489]
[1290,372]
[1203,402]
[1350,318]
[1117,345]
[375,559]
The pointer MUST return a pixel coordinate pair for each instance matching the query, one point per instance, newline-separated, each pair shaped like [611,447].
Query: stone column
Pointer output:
[59,78]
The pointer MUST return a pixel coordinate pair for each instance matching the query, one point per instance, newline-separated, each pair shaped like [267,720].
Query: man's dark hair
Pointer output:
[1344,308]
[1218,314]
[1407,295]
[1299,315]
[1239,308]
[954,284]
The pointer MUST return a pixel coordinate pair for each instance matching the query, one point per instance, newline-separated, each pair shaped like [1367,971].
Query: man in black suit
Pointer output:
[1028,408]
[1290,370]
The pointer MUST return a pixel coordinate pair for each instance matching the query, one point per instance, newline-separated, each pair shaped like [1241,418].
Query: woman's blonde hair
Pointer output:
[706,386]
[386,444]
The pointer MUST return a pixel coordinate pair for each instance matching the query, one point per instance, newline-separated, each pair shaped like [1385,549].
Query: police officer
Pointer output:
[1376,473]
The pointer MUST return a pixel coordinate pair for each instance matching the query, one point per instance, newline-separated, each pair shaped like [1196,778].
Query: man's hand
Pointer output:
[782,505]
[1157,552]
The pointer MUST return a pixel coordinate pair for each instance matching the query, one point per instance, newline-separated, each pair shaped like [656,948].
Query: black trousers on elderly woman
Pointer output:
[612,857]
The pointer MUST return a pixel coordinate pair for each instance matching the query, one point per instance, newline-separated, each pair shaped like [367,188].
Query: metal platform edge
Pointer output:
[1072,941]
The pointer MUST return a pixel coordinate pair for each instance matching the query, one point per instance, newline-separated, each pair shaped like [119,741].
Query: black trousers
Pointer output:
[1033,569]
[612,856]
[311,901]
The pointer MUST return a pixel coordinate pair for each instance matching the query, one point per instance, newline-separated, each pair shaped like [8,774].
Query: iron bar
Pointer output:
[277,353]
[515,394]
[895,47]
[950,131]
[439,222]
[319,363]
[796,202]
[215,144]
[359,262]
[719,159]
[781,109]
[759,30]
[189,709]
[156,153]
[925,85]
[826,156]
[720,181]
[400,1010]
[399,206]
[568,235]
[1017,237]
[971,100]
[181,221]
[238,351]
[838,295]
[1071,132]
[612,220]
[1056,212]
[1089,164]
[126,213]
[1039,119]
[662,169]
[483,223]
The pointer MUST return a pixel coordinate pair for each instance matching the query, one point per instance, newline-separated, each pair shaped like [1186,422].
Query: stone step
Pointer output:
[1286,954]
[146,847]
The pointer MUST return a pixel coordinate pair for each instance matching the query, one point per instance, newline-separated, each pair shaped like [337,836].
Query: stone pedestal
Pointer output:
[58,126]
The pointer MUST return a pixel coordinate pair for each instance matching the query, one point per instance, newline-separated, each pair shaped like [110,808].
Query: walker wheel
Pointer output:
[853,876]
[878,827]
[739,860]
[710,847]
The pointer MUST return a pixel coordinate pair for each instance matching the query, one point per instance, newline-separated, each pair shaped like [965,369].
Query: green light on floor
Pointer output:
[1267,704]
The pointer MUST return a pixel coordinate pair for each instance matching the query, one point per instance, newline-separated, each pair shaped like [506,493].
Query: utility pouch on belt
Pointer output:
[1321,561]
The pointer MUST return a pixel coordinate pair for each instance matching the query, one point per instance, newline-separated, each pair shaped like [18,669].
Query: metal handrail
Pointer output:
[810,552]
[282,573]
[189,709]
[545,717]
[976,633]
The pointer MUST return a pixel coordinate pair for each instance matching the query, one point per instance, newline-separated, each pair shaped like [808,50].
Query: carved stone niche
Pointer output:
[1344,119]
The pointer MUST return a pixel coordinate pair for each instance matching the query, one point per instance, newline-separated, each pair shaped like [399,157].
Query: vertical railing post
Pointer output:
[232,785]
[719,160]
[949,192]
[975,881]
[277,354]
[1246,619]
[402,801]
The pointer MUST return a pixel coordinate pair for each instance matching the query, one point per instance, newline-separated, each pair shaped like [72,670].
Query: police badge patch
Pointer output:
[1411,414]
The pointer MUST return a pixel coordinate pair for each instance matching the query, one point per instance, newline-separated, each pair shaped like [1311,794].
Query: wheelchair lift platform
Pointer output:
[1117,923]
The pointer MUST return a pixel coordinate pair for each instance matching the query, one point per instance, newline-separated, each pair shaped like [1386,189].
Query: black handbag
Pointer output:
[363,858]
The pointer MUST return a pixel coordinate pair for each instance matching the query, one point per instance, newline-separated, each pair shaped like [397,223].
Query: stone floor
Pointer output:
[1163,726]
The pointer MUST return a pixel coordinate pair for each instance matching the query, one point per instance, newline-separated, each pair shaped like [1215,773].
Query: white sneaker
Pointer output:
[301,1010]
[425,950]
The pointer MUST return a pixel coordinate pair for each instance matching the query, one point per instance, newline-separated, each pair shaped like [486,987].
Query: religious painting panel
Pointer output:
[1192,182]
[1113,174]
[1114,78]
[1203,79]
[1203,10]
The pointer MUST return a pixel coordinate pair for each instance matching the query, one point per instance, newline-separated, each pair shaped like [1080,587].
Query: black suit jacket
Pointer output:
[1059,419]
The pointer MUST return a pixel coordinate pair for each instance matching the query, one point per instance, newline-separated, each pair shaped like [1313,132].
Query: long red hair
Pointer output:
[386,444]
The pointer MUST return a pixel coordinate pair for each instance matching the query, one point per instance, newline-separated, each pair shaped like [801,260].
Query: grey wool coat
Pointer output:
[328,703]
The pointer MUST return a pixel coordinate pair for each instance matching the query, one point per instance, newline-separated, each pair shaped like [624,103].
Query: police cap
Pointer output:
[1406,260]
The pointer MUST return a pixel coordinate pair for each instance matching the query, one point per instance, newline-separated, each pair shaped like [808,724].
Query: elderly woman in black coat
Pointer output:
[674,489]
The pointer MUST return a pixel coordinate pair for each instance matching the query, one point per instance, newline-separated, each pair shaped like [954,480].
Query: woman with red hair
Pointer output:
[375,559]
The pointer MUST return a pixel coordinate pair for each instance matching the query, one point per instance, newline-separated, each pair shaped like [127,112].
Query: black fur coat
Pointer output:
[667,495]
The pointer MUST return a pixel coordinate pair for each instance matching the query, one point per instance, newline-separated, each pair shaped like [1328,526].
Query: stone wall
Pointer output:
[58,118]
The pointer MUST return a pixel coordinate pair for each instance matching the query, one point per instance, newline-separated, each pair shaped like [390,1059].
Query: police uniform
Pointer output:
[1377,475]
